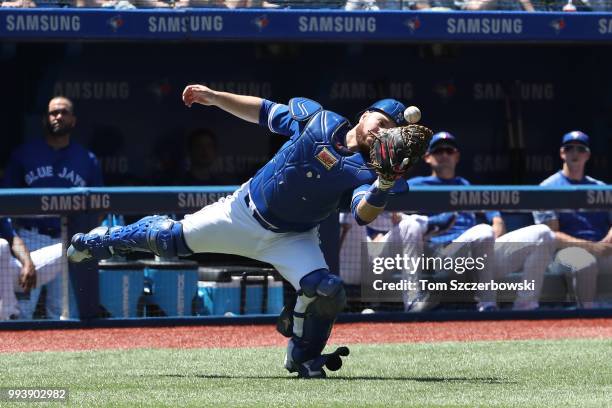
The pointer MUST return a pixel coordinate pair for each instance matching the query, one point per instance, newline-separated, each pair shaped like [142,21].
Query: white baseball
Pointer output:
[412,114]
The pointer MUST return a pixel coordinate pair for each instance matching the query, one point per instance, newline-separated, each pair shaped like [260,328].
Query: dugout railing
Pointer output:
[79,209]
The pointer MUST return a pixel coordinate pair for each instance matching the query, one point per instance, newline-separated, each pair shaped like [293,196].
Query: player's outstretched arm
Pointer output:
[369,202]
[367,212]
[243,106]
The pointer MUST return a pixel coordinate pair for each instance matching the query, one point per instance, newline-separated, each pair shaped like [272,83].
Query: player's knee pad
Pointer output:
[321,298]
[158,234]
[322,293]
[328,291]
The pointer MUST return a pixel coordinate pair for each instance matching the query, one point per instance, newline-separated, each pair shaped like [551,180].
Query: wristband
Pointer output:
[376,196]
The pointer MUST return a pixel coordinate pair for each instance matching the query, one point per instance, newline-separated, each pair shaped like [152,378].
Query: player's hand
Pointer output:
[607,239]
[599,249]
[27,277]
[386,183]
[198,94]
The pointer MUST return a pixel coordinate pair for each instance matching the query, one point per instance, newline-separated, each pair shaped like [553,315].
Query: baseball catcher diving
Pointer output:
[274,216]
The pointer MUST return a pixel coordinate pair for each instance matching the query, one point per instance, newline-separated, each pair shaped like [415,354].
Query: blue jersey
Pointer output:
[465,220]
[38,165]
[305,180]
[587,225]
[6,229]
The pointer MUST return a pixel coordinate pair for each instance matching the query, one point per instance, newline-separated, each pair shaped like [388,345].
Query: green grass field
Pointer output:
[485,374]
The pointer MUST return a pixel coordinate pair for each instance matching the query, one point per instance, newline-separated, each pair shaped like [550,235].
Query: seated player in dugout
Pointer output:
[274,216]
[22,270]
[452,234]
[584,238]
[55,160]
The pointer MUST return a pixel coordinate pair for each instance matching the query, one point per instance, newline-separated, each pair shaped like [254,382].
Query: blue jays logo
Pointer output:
[160,89]
[558,25]
[413,24]
[115,23]
[445,90]
[261,22]
[400,117]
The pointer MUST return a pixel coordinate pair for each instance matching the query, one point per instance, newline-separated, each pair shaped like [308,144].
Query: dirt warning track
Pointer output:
[266,335]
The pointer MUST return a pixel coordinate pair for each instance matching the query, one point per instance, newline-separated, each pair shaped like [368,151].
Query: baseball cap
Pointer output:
[442,138]
[392,108]
[575,136]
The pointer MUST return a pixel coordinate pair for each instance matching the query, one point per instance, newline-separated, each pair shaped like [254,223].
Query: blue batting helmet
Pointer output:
[391,108]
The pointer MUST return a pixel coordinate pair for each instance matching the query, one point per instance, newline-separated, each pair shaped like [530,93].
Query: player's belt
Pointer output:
[265,224]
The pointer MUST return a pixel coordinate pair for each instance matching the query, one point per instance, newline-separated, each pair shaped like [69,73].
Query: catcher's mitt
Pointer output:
[397,149]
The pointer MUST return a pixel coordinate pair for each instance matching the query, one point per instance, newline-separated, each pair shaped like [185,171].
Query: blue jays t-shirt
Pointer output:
[465,220]
[38,165]
[587,225]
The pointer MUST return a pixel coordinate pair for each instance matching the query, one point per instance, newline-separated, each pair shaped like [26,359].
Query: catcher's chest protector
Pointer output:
[305,180]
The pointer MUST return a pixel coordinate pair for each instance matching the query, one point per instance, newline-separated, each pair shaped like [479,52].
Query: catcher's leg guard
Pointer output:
[86,246]
[320,300]
[157,234]
[284,324]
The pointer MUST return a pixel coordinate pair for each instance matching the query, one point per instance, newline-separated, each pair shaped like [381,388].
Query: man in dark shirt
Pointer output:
[52,161]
